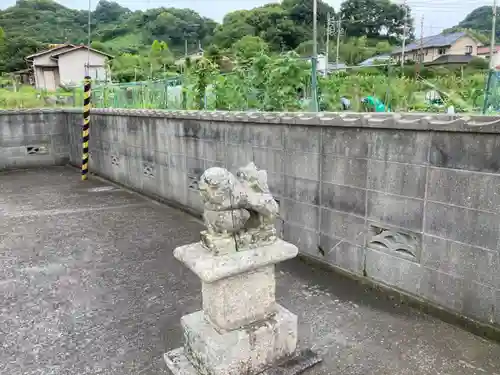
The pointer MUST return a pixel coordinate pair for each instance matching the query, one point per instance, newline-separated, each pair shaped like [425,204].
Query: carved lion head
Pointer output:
[216,185]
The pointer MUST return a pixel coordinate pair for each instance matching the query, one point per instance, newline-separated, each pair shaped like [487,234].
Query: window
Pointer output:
[442,51]
[468,50]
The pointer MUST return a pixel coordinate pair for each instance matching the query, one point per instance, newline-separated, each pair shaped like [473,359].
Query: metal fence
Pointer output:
[175,94]
[28,97]
[492,96]
[150,94]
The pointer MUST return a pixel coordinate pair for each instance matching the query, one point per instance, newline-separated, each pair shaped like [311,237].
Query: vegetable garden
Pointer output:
[284,84]
[280,83]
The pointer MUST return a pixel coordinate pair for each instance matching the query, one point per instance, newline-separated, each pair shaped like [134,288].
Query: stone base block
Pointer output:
[239,300]
[296,364]
[209,267]
[248,350]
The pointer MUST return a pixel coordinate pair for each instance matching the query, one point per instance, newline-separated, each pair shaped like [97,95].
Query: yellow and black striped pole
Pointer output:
[86,126]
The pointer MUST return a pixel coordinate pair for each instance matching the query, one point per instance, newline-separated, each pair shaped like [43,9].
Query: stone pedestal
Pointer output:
[241,329]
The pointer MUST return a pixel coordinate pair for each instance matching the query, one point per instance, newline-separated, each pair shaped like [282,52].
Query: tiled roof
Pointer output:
[485,50]
[434,41]
[49,50]
[451,59]
[55,55]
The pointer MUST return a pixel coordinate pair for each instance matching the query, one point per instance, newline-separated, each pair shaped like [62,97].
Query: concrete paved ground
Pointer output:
[88,285]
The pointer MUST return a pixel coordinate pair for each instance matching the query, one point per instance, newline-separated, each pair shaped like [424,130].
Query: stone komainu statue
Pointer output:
[239,211]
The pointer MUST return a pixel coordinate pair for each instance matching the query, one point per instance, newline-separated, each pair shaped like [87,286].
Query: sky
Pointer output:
[438,14]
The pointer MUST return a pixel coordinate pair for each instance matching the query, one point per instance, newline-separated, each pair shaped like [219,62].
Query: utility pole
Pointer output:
[493,32]
[404,37]
[314,61]
[327,47]
[421,52]
[315,28]
[330,31]
[339,32]
[492,53]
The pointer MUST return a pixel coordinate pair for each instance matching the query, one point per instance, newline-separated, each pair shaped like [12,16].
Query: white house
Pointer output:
[66,65]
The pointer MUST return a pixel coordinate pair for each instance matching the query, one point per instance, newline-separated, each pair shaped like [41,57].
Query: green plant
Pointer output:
[202,74]
[272,83]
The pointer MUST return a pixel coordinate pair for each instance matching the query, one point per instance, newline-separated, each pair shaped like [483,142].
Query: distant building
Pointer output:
[376,60]
[193,57]
[484,52]
[435,47]
[325,67]
[24,77]
[321,64]
[66,65]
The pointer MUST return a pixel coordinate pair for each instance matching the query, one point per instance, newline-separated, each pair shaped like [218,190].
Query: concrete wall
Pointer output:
[412,202]
[33,138]
[408,201]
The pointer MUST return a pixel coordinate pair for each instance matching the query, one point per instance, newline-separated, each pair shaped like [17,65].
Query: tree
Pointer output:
[233,29]
[301,12]
[478,63]
[282,26]
[305,49]
[160,58]
[273,25]
[383,47]
[2,51]
[109,12]
[479,20]
[14,51]
[248,47]
[2,41]
[117,28]
[355,50]
[128,67]
[214,55]
[150,39]
[379,19]
[100,47]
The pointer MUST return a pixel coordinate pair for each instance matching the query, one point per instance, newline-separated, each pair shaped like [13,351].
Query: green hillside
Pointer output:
[31,25]
[480,20]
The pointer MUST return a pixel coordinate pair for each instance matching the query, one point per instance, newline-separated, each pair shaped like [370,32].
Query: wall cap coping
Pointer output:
[401,121]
